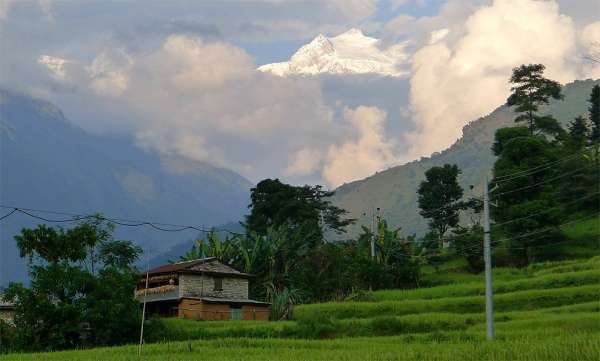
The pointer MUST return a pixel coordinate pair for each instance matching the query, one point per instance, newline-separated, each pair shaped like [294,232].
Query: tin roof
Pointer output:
[210,265]
[229,301]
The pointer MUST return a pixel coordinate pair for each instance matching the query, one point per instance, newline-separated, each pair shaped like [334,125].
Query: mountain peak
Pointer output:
[351,52]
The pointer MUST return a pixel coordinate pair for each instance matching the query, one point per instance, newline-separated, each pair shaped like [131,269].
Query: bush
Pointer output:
[8,337]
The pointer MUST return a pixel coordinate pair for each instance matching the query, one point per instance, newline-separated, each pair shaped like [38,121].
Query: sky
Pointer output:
[180,77]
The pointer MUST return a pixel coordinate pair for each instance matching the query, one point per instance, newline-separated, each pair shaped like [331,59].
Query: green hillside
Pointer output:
[547,311]
[394,190]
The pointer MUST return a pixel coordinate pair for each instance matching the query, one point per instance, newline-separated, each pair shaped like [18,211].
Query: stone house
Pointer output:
[201,289]
[7,311]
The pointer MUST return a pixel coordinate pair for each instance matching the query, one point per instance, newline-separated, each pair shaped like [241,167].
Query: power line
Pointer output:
[542,182]
[545,211]
[547,229]
[532,170]
[119,221]
[8,214]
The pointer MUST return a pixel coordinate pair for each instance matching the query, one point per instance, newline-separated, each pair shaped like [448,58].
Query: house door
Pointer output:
[235,313]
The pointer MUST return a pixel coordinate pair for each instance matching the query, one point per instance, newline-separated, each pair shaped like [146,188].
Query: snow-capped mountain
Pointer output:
[349,53]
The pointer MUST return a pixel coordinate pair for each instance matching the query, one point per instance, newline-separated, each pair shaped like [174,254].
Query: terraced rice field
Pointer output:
[548,311]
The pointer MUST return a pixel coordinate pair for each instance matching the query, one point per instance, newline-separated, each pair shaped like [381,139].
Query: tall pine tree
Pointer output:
[594,110]
[530,90]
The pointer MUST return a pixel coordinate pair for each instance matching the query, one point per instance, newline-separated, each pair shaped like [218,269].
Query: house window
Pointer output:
[218,283]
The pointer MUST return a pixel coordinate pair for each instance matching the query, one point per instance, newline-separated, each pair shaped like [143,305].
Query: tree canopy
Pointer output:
[81,287]
[530,90]
[275,203]
[440,198]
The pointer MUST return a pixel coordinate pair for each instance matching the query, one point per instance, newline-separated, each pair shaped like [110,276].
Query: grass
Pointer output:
[469,346]
[522,300]
[543,281]
[548,311]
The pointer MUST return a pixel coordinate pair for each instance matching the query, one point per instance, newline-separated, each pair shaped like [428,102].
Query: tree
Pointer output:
[594,111]
[526,200]
[66,295]
[530,90]
[578,134]
[274,203]
[440,199]
[468,243]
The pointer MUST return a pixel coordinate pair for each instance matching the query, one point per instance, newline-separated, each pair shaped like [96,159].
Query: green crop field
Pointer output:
[548,311]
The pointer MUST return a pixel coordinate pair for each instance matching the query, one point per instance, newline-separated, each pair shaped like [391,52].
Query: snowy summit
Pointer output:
[349,53]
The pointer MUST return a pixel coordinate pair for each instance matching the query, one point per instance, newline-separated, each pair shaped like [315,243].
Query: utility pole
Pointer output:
[487,255]
[144,307]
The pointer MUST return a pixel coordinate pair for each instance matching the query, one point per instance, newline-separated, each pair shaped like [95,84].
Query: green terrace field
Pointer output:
[548,311]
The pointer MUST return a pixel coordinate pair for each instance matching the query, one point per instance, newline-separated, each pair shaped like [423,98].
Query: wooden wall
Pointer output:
[258,313]
[196,310]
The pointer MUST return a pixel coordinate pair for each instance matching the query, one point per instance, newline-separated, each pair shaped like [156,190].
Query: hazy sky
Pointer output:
[180,76]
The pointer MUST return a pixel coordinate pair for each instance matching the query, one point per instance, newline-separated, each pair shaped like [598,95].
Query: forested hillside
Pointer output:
[395,190]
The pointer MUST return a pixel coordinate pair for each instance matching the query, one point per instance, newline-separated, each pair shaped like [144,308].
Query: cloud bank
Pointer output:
[456,81]
[182,84]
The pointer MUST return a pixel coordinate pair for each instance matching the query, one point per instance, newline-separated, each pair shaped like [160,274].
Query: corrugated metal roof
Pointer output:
[229,301]
[209,265]
[179,266]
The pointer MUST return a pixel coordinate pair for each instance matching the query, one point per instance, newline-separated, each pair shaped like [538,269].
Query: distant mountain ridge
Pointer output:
[351,52]
[394,190]
[48,163]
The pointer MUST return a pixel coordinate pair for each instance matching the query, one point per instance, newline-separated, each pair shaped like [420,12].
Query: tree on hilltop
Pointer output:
[530,90]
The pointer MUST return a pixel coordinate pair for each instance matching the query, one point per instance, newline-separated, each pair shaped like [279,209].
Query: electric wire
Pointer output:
[533,170]
[546,210]
[8,214]
[503,240]
[542,182]
[118,221]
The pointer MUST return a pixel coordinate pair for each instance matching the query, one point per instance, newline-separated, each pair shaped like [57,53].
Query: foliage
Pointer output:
[212,246]
[439,199]
[594,113]
[8,334]
[291,255]
[533,197]
[276,204]
[468,243]
[530,90]
[70,302]
[282,302]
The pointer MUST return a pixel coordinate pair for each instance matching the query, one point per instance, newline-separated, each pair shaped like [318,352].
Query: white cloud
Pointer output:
[590,40]
[205,101]
[361,152]
[304,162]
[455,82]
[44,6]
[369,152]
[4,8]
[438,35]
[109,72]
[202,99]
[56,66]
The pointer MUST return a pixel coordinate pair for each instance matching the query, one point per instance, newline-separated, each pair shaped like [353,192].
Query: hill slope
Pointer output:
[394,190]
[548,311]
[47,163]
